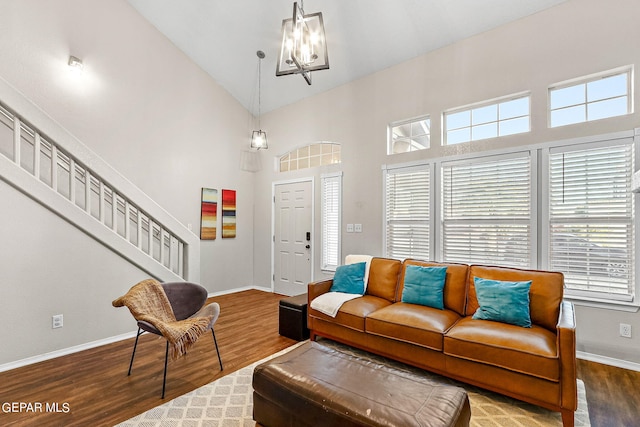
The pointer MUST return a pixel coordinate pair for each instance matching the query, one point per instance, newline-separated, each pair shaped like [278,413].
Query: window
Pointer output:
[593,98]
[331,187]
[409,135]
[407,212]
[488,120]
[310,156]
[591,219]
[486,210]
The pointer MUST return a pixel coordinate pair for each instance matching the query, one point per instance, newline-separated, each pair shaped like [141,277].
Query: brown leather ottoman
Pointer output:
[317,385]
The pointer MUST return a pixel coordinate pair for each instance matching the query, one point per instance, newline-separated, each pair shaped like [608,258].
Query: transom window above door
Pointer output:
[310,156]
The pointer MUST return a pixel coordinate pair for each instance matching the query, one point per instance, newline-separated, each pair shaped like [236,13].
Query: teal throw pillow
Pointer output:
[349,278]
[506,302]
[424,286]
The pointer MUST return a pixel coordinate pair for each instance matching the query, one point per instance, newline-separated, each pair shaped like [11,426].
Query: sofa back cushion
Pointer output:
[545,294]
[383,278]
[455,284]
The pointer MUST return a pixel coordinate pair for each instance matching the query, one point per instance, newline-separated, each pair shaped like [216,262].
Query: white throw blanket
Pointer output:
[331,302]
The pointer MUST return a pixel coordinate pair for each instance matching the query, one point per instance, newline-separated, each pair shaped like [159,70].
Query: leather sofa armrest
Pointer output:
[566,331]
[315,289]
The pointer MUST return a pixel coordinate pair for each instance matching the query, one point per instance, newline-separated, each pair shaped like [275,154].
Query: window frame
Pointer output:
[575,146]
[410,122]
[539,206]
[493,220]
[484,104]
[585,80]
[407,168]
[335,228]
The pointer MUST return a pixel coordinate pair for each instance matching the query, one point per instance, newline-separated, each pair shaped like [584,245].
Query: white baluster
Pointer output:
[16,140]
[87,191]
[127,219]
[72,180]
[36,157]
[114,211]
[162,249]
[139,224]
[102,203]
[54,167]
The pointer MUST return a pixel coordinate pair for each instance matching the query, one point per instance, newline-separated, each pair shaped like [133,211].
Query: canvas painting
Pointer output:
[208,214]
[228,213]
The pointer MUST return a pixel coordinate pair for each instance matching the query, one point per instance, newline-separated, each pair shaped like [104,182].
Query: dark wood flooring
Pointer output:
[91,388]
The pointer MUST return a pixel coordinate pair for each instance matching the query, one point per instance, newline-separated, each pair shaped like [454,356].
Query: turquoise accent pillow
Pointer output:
[506,302]
[349,278]
[424,286]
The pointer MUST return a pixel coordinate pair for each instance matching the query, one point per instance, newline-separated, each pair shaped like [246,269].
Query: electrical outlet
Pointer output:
[56,321]
[625,330]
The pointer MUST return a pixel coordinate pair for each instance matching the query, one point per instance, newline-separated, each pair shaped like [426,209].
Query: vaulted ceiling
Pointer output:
[363,36]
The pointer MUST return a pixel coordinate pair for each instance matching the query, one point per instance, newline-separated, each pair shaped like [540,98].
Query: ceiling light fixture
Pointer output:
[304,46]
[75,64]
[259,137]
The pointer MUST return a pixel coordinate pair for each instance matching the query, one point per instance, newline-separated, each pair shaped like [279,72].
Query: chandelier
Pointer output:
[304,47]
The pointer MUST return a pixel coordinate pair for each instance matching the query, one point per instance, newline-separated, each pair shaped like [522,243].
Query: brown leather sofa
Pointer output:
[536,365]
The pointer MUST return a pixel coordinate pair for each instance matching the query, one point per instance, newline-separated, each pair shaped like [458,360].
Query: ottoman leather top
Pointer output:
[364,391]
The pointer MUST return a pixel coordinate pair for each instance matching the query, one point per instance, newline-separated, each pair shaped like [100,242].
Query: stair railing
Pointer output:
[173,249]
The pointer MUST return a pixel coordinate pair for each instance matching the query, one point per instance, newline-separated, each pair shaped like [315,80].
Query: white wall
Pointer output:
[157,118]
[574,39]
[162,122]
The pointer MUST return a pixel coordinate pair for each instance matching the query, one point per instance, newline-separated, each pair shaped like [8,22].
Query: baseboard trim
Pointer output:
[618,363]
[75,349]
[64,352]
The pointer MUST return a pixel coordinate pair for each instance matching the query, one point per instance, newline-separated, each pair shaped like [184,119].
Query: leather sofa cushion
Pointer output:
[352,313]
[532,351]
[383,278]
[455,285]
[545,295]
[416,324]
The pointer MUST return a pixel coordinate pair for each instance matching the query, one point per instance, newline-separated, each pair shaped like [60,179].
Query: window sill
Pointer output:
[630,307]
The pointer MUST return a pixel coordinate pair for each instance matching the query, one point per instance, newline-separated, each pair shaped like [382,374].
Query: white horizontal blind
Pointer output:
[331,188]
[486,211]
[407,215]
[591,219]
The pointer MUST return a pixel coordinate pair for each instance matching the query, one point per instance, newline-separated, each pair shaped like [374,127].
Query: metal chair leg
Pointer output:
[217,350]
[134,350]
[164,378]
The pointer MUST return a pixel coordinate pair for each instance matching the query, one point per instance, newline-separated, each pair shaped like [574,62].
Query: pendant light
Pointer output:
[259,137]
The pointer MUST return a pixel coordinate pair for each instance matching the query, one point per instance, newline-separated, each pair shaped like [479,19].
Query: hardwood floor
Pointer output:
[91,388]
[94,383]
[613,394]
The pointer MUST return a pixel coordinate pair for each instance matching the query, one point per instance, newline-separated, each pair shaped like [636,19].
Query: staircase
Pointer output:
[41,159]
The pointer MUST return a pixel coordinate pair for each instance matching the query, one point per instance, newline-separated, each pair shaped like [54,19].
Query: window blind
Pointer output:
[486,211]
[331,200]
[407,212]
[591,219]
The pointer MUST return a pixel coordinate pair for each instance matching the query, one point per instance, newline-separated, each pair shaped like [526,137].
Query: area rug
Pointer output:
[228,402]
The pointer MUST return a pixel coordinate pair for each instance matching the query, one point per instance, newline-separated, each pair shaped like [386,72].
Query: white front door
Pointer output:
[292,249]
